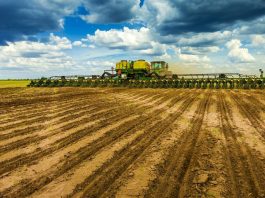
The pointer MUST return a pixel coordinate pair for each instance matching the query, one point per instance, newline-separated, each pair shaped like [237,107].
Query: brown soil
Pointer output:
[83,142]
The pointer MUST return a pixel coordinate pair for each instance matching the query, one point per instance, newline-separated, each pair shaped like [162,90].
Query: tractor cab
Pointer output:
[222,76]
[160,68]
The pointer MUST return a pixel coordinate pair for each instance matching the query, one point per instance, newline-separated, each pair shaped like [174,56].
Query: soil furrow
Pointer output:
[36,139]
[251,114]
[111,170]
[45,100]
[34,110]
[244,180]
[131,142]
[172,173]
[62,113]
[19,117]
[143,170]
[92,148]
[109,117]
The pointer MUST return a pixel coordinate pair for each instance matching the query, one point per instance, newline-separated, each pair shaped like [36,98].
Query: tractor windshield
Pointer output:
[158,65]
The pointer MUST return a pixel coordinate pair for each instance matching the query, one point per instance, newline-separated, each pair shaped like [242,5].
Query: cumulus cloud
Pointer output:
[77,43]
[36,55]
[190,58]
[258,40]
[238,54]
[140,41]
[178,16]
[60,42]
[110,11]
[156,49]
[98,66]
[145,43]
[29,17]
[96,63]
[122,39]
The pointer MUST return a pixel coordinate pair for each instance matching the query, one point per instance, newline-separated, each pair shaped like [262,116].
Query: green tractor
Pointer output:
[160,70]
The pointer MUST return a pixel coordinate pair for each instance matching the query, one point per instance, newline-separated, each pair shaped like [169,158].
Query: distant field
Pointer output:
[13,83]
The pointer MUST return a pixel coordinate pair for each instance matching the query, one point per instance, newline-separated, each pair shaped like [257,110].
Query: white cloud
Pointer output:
[190,58]
[238,54]
[61,23]
[258,40]
[84,46]
[36,55]
[96,63]
[157,11]
[165,56]
[98,66]
[77,43]
[92,46]
[132,39]
[60,42]
[155,49]
[140,41]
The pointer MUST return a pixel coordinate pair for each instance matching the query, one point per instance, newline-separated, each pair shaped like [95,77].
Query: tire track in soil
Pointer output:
[83,142]
[254,101]
[83,154]
[33,106]
[23,159]
[73,176]
[37,138]
[51,162]
[63,117]
[246,173]
[157,100]
[66,102]
[46,99]
[250,112]
[28,108]
[205,175]
[96,184]
[256,104]
[59,98]
[260,93]
[52,123]
[59,116]
[65,127]
[55,118]
[202,139]
[174,170]
[143,170]
[35,111]
[62,112]
[245,130]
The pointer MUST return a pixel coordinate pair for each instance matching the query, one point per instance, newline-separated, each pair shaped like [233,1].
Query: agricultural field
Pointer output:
[13,83]
[104,142]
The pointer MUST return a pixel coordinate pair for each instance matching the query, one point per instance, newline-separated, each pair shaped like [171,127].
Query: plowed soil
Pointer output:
[84,142]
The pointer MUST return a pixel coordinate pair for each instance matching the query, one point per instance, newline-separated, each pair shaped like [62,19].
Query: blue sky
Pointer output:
[61,37]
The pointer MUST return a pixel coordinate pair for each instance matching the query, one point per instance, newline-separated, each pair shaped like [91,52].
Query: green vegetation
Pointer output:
[14,83]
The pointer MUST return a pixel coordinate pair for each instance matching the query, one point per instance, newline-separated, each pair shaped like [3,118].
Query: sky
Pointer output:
[71,37]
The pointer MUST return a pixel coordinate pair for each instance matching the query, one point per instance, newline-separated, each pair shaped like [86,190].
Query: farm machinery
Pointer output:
[156,74]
